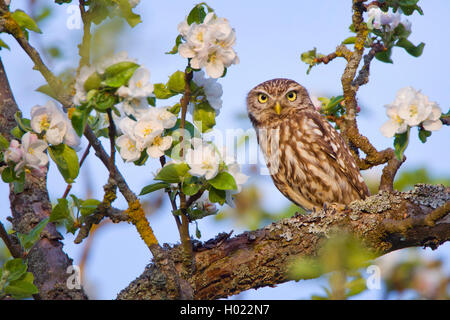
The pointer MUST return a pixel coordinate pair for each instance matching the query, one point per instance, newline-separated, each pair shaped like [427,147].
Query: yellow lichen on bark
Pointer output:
[137,217]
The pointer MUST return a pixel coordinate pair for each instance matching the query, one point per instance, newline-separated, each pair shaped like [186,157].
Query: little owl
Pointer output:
[307,158]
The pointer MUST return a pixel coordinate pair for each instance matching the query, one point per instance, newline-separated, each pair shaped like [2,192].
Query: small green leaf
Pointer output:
[104,101]
[4,45]
[355,286]
[17,133]
[176,82]
[23,123]
[400,143]
[424,134]
[66,160]
[79,120]
[198,234]
[204,116]
[8,175]
[415,51]
[384,56]
[126,12]
[162,92]
[217,196]
[25,21]
[191,186]
[118,74]
[349,40]
[175,47]
[196,15]
[153,187]
[60,211]
[46,89]
[151,101]
[173,173]
[89,206]
[223,181]
[16,268]
[28,240]
[92,82]
[4,143]
[22,288]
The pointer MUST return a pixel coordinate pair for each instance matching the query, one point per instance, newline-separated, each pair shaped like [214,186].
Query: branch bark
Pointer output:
[226,266]
[46,260]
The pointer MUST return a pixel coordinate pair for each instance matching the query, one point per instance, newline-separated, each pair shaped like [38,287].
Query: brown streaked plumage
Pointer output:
[307,158]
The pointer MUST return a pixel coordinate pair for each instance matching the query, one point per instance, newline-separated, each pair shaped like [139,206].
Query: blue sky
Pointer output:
[270,38]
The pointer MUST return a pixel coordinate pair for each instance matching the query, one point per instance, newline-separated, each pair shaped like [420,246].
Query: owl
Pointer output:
[308,160]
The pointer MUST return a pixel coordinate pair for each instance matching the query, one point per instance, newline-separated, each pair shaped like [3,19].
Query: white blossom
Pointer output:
[134,107]
[203,161]
[167,118]
[30,154]
[411,108]
[54,123]
[212,89]
[378,18]
[433,122]
[205,205]
[138,87]
[209,44]
[128,148]
[158,146]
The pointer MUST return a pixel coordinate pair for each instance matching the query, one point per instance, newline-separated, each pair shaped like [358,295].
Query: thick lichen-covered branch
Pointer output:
[226,266]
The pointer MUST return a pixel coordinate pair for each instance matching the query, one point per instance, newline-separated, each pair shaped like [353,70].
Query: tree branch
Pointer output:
[227,266]
[46,260]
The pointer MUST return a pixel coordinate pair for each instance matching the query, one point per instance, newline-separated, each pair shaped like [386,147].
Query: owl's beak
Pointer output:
[277,108]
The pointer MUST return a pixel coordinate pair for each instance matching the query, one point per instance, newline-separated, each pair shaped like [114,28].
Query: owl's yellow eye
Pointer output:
[291,96]
[262,98]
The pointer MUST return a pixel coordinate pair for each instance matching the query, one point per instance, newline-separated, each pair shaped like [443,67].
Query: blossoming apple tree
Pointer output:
[116,99]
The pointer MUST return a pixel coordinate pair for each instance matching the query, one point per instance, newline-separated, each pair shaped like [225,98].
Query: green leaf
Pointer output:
[415,51]
[24,124]
[223,181]
[126,12]
[400,143]
[424,134]
[173,173]
[153,187]
[162,92]
[151,101]
[25,21]
[355,286]
[176,82]
[79,120]
[60,211]
[4,143]
[198,234]
[17,133]
[46,89]
[204,116]
[4,45]
[217,196]
[28,240]
[349,40]
[196,15]
[89,206]
[22,288]
[191,186]
[104,101]
[15,268]
[175,47]
[92,82]
[8,175]
[118,74]
[384,56]
[66,160]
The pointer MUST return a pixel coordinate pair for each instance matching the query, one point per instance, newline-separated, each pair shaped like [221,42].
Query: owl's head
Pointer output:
[276,99]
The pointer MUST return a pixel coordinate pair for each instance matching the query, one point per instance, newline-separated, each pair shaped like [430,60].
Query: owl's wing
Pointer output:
[330,142]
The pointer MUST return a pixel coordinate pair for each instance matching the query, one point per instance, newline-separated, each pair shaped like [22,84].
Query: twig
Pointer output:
[15,251]
[363,75]
[400,226]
